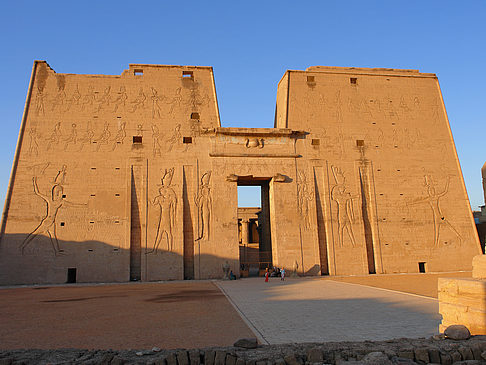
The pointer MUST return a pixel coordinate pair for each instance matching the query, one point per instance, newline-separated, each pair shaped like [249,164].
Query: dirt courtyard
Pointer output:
[143,315]
[119,316]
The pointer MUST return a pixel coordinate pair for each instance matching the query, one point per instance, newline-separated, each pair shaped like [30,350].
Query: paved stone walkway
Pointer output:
[316,310]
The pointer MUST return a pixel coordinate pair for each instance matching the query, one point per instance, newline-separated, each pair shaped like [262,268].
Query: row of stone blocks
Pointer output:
[463,301]
[399,351]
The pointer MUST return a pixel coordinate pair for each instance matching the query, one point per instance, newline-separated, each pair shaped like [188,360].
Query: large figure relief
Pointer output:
[203,204]
[167,202]
[305,196]
[54,202]
[344,201]
[439,219]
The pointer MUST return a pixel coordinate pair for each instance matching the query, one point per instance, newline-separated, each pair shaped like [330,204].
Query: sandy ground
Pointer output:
[420,284]
[119,316]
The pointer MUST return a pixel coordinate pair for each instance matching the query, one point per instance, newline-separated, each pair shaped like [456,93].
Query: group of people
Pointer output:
[276,272]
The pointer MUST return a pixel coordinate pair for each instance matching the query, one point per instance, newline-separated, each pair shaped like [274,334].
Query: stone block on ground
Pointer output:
[315,355]
[422,354]
[220,357]
[209,357]
[246,343]
[457,332]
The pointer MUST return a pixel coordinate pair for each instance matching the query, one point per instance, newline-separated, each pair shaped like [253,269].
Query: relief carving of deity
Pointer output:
[167,202]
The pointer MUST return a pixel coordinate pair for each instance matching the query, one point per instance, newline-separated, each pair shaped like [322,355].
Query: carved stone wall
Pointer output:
[132,177]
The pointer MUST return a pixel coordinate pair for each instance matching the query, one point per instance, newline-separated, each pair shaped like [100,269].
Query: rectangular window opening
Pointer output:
[117,194]
[91,222]
[137,139]
[353,81]
[117,168]
[194,115]
[186,139]
[422,267]
[63,196]
[315,142]
[360,143]
[62,224]
[93,195]
[138,72]
[311,79]
[93,168]
[187,75]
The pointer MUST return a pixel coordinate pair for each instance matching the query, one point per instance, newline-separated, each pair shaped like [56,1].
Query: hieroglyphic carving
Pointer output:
[87,137]
[33,145]
[155,103]
[338,114]
[54,201]
[55,137]
[203,203]
[89,98]
[39,101]
[104,137]
[72,138]
[305,196]
[139,129]
[433,199]
[139,101]
[120,99]
[175,139]
[196,100]
[75,99]
[104,100]
[155,141]
[344,202]
[176,100]
[167,202]
[120,136]
[60,97]
[254,142]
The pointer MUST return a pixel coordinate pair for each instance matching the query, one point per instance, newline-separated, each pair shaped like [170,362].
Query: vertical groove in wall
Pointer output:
[135,225]
[187,222]
[365,203]
[321,229]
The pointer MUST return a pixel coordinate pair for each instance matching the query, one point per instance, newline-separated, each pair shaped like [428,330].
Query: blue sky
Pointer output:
[250,44]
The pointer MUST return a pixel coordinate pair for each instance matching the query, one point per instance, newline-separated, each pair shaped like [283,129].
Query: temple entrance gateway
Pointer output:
[254,238]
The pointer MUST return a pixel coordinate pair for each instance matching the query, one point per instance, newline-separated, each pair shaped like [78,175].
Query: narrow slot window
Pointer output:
[117,194]
[422,267]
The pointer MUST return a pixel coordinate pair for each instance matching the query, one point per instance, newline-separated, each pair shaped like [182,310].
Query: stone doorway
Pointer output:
[254,237]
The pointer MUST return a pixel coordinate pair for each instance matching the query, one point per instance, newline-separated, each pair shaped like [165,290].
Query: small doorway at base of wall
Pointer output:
[71,275]
[422,267]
